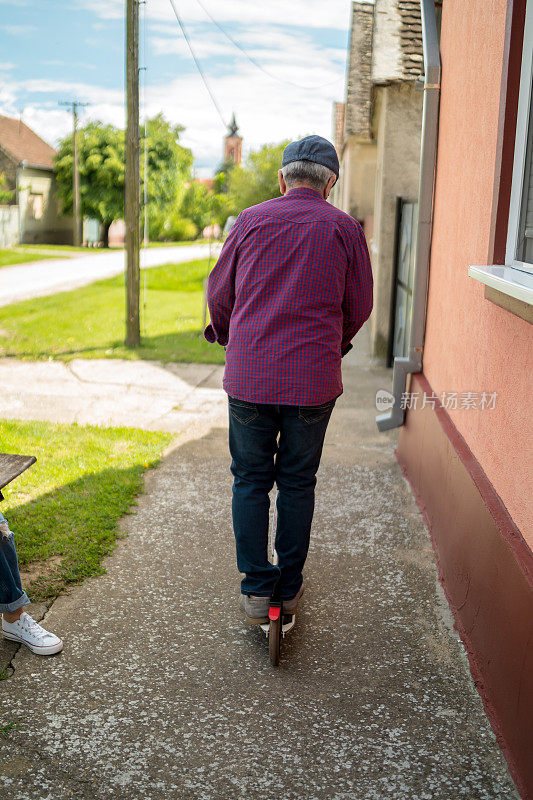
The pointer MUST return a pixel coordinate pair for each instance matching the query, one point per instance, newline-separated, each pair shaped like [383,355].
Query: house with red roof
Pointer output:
[27,167]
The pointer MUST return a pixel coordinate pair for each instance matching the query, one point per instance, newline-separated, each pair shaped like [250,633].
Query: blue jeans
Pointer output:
[258,460]
[12,596]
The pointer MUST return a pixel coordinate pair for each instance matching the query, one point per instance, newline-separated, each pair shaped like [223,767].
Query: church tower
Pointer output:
[233,143]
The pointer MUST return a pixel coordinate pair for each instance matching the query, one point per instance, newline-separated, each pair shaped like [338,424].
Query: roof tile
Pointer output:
[23,144]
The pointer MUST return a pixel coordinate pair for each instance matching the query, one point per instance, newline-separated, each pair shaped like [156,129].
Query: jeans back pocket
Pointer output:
[242,410]
[311,414]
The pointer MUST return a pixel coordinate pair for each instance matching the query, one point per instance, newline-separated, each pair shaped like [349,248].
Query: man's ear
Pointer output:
[282,184]
[329,186]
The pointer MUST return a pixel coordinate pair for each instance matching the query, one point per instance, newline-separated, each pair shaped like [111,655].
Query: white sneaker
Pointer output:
[26,631]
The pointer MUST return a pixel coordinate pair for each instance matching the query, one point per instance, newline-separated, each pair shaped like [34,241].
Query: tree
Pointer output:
[6,195]
[257,180]
[169,170]
[203,205]
[101,163]
[101,160]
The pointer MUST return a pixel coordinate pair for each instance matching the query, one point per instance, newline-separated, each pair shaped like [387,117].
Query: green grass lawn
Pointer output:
[64,510]
[89,322]
[21,255]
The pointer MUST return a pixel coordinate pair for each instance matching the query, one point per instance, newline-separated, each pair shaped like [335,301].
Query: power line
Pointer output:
[254,61]
[198,65]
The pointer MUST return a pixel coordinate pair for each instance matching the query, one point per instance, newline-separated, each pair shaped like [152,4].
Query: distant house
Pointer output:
[377,136]
[27,163]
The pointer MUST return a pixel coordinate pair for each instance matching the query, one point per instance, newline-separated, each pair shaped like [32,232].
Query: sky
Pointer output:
[57,51]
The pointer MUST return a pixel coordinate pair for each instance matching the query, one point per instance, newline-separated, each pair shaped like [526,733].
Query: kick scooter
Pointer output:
[279,624]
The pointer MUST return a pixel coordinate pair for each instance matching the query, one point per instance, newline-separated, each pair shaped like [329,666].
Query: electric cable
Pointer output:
[198,65]
[254,61]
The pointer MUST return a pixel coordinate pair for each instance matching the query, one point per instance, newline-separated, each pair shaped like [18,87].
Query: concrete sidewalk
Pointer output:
[163,692]
[112,392]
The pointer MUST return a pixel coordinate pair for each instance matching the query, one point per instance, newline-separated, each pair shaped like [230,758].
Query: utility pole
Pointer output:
[132,194]
[75,104]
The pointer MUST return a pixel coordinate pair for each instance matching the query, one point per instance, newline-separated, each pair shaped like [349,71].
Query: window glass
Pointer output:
[524,250]
[36,205]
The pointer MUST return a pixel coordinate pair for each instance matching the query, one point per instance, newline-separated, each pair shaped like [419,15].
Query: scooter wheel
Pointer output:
[274,640]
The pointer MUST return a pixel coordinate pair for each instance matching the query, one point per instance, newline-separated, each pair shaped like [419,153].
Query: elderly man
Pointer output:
[290,290]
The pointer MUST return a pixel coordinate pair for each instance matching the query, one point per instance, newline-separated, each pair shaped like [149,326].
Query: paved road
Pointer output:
[56,275]
[163,693]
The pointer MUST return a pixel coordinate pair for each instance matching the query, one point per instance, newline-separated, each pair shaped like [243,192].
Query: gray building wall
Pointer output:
[50,227]
[397,123]
[354,192]
[9,226]
[379,151]
[358,110]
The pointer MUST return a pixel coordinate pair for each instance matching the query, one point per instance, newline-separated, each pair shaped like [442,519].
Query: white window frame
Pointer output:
[515,278]
[523,120]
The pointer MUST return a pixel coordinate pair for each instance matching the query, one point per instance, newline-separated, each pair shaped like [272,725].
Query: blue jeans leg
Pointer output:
[12,596]
[252,442]
[300,448]
[256,464]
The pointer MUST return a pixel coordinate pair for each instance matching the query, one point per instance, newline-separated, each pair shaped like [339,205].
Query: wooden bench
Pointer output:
[11,467]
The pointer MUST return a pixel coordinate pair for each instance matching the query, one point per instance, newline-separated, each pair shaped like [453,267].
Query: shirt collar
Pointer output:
[304,191]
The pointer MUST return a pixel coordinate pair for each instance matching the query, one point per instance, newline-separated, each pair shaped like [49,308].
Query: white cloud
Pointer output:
[263,114]
[268,109]
[19,30]
[70,64]
[274,48]
[84,92]
[311,13]
[295,98]
[205,47]
[52,121]
[8,101]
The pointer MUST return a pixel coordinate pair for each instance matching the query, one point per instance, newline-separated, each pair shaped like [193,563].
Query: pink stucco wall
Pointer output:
[472,344]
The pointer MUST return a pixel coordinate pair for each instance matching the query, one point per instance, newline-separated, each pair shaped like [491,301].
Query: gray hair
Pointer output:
[298,172]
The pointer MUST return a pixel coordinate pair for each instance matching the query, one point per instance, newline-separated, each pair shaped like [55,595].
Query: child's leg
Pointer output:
[12,597]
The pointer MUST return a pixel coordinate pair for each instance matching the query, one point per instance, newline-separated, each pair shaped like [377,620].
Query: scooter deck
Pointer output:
[289,621]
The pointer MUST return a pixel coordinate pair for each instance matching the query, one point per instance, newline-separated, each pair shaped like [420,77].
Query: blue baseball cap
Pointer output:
[312,148]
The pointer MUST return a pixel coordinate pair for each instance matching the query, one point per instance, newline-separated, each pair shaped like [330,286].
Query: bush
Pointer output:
[179,229]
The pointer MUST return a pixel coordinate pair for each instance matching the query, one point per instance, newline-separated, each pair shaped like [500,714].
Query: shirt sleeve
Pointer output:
[358,293]
[221,289]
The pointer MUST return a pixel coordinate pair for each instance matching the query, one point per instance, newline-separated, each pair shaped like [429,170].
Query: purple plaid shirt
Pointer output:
[291,288]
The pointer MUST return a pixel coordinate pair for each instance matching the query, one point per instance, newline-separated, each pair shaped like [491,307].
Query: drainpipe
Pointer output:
[404,366]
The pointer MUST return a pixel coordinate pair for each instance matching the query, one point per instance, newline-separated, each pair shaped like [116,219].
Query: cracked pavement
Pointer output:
[111,392]
[162,690]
